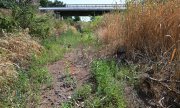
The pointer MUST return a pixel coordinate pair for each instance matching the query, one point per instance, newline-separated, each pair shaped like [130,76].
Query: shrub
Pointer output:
[40,27]
[7,23]
[24,15]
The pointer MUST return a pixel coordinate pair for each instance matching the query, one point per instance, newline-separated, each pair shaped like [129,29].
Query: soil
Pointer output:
[68,74]
[71,72]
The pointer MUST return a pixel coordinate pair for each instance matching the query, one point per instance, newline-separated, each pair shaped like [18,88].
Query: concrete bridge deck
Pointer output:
[84,9]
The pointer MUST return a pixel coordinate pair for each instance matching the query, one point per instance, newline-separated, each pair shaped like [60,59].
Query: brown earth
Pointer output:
[68,74]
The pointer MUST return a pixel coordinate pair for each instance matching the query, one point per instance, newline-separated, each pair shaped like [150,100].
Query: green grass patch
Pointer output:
[24,91]
[109,89]
[83,92]
[56,47]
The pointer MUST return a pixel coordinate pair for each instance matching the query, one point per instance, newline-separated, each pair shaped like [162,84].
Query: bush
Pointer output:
[23,15]
[40,27]
[7,23]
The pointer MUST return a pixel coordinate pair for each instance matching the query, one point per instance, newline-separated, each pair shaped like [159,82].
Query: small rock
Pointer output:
[69,97]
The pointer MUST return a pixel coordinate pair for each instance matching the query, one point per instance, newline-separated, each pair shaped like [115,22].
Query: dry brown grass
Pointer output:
[153,26]
[15,51]
[109,33]
[151,35]
[19,47]
[5,12]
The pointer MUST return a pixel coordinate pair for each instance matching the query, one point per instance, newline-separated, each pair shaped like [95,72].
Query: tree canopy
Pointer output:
[56,3]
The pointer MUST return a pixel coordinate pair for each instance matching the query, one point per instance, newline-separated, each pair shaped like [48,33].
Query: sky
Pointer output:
[91,1]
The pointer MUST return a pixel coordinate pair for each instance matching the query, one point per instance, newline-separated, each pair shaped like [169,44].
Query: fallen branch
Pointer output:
[165,85]
[173,81]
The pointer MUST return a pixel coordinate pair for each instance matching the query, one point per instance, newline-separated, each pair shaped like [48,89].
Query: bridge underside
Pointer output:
[84,9]
[81,13]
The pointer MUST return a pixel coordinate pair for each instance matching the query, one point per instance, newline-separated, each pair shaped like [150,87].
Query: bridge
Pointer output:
[84,9]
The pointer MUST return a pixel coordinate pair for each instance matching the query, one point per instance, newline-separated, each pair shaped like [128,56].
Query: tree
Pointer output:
[56,3]
[7,4]
[44,3]
[76,18]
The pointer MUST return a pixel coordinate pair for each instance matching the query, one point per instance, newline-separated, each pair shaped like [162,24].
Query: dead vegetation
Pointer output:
[15,51]
[150,33]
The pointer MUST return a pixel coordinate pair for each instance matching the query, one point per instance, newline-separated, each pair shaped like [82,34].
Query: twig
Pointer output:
[173,81]
[160,102]
[172,56]
[165,85]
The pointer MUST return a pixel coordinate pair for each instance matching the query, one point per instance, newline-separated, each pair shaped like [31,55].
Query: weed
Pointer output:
[66,105]
[108,87]
[94,102]
[127,74]
[83,92]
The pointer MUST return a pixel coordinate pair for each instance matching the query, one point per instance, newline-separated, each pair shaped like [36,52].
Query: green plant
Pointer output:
[66,105]
[7,23]
[94,102]
[83,92]
[39,74]
[107,85]
[41,27]
[23,15]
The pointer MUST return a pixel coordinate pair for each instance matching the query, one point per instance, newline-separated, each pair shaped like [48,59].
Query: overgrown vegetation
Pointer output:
[22,59]
[148,33]
[144,39]
[106,89]
[23,88]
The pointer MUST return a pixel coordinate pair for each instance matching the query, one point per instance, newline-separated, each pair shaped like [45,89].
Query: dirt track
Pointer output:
[68,74]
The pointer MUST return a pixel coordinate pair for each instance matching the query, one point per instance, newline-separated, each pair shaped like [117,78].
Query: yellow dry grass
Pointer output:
[15,51]
[150,33]
[109,33]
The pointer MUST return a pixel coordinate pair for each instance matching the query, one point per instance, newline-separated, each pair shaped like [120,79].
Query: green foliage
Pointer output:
[23,15]
[94,102]
[66,105]
[39,74]
[76,18]
[7,3]
[16,94]
[41,27]
[83,92]
[128,74]
[107,85]
[95,21]
[7,23]
[44,3]
[56,3]
[26,87]
[55,47]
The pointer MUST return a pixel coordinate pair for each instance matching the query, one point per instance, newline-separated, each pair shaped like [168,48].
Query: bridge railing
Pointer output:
[95,5]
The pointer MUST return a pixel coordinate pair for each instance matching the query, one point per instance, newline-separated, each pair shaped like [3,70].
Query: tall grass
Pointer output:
[150,28]
[150,33]
[110,31]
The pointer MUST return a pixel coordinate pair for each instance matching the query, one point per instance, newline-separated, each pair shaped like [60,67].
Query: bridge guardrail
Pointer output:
[95,5]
